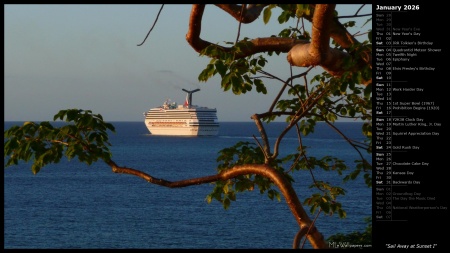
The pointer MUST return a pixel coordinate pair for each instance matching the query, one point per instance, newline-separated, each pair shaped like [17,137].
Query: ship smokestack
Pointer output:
[189,97]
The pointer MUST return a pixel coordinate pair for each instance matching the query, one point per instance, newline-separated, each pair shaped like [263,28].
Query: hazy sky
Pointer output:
[86,56]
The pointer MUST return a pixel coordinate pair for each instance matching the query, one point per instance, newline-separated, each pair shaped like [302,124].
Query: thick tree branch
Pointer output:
[195,27]
[259,45]
[345,40]
[318,52]
[315,237]
[320,40]
[301,53]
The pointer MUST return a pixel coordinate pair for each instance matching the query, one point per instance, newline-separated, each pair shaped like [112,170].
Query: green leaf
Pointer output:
[60,115]
[226,203]
[342,214]
[208,199]
[221,68]
[72,115]
[325,207]
[266,15]
[35,168]
[226,83]
[352,112]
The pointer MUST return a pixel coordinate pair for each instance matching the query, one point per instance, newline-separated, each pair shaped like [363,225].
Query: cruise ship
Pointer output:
[186,119]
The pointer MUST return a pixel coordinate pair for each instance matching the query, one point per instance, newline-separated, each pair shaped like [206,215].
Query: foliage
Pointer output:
[86,137]
[329,98]
[326,98]
[239,154]
[235,73]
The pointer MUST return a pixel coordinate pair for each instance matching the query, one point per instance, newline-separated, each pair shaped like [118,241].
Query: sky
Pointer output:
[85,56]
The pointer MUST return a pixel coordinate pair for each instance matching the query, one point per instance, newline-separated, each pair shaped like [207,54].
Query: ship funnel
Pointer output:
[188,101]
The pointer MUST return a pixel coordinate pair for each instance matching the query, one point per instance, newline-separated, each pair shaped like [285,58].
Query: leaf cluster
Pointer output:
[236,74]
[84,136]
[240,154]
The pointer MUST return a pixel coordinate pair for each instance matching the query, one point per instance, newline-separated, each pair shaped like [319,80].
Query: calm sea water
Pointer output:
[74,206]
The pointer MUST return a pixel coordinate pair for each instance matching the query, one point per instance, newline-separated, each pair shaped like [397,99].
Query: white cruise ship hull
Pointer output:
[200,121]
[183,131]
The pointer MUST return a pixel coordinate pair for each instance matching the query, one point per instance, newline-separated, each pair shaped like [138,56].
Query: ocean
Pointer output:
[71,205]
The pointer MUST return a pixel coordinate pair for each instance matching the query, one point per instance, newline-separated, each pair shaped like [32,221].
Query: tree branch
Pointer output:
[301,53]
[154,23]
[258,45]
[315,237]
